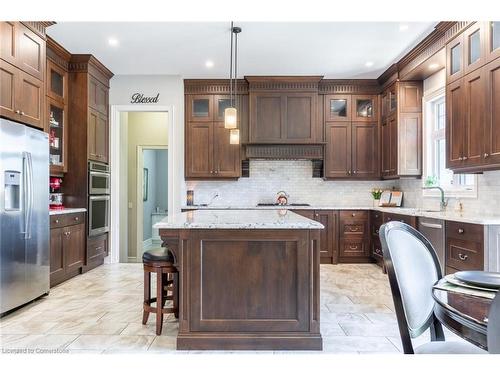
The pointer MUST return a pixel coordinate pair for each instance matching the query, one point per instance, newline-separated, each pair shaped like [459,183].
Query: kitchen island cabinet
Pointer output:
[249,279]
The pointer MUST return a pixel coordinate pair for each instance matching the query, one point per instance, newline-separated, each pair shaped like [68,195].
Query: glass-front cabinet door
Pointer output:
[454,57]
[221,102]
[474,51]
[57,82]
[57,128]
[337,107]
[492,31]
[392,100]
[200,108]
[364,107]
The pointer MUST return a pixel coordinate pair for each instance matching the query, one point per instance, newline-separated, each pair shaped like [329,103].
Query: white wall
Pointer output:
[171,90]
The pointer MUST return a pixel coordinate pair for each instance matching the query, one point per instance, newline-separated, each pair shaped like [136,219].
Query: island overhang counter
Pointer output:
[249,279]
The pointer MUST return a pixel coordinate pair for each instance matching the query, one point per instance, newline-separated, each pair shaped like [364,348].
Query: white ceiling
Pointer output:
[332,49]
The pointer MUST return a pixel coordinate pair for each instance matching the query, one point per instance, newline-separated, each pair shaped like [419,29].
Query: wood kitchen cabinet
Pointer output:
[337,107]
[492,40]
[401,134]
[67,246]
[328,236]
[283,110]
[472,121]
[97,250]
[354,236]
[364,108]
[22,96]
[22,73]
[464,247]
[208,153]
[57,99]
[351,150]
[88,102]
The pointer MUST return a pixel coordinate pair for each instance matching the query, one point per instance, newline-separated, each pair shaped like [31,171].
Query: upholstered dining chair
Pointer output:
[413,268]
[494,326]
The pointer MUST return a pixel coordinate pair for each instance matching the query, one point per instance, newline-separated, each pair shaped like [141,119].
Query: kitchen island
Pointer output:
[249,279]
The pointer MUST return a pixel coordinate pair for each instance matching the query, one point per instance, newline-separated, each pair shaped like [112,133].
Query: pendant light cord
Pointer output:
[231,69]
[235,67]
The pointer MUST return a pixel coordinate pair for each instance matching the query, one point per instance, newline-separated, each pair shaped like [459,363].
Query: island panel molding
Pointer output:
[233,295]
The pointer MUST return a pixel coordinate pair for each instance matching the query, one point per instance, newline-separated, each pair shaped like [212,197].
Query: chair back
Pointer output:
[413,268]
[494,326]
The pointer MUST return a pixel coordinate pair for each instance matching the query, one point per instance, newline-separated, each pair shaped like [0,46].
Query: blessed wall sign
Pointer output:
[139,98]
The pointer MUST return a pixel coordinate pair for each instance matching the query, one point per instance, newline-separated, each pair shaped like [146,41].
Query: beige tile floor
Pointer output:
[100,312]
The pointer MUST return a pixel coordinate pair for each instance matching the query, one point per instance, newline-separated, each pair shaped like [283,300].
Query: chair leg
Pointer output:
[175,292]
[147,295]
[159,302]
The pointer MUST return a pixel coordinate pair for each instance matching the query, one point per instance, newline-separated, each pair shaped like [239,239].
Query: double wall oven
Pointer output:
[99,198]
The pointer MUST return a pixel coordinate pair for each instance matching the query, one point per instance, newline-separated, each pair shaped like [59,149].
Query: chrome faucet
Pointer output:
[444,202]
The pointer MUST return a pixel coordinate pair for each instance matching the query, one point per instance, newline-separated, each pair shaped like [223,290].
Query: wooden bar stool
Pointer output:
[160,261]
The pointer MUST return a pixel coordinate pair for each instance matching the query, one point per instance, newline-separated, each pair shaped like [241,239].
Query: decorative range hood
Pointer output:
[283,118]
[284,151]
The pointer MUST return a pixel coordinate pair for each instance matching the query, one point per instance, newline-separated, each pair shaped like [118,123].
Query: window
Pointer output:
[435,172]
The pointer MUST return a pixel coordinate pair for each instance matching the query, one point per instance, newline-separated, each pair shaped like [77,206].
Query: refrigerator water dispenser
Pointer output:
[12,191]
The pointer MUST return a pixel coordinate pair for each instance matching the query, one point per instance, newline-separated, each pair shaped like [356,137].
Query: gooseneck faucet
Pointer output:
[444,202]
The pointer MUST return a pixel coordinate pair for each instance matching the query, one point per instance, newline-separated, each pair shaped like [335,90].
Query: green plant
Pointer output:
[431,181]
[376,193]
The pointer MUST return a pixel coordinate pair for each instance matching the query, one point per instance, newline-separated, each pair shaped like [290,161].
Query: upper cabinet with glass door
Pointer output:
[492,37]
[200,108]
[337,107]
[364,108]
[57,82]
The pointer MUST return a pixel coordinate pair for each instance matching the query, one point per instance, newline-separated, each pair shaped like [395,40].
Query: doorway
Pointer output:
[152,199]
[149,127]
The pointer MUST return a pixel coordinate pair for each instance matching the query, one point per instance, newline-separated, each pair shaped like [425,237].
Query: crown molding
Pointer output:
[213,86]
[349,86]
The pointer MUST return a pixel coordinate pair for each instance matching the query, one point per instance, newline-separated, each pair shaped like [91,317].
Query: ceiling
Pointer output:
[332,49]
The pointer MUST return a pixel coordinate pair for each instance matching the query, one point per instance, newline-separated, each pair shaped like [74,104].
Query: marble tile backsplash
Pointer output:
[267,177]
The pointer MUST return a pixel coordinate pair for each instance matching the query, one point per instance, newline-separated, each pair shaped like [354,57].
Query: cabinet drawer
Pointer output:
[63,220]
[464,255]
[410,220]
[464,231]
[352,247]
[353,215]
[97,247]
[349,229]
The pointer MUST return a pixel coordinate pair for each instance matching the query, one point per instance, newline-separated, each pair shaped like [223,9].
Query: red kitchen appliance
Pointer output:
[55,196]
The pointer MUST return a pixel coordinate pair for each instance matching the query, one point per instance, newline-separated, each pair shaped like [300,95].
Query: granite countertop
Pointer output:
[237,219]
[65,211]
[443,215]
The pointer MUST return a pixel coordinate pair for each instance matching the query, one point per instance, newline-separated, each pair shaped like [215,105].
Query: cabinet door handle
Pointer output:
[462,256]
[18,111]
[67,233]
[486,155]
[353,229]
[461,230]
[77,218]
[212,172]
[56,221]
[354,172]
[353,214]
[353,247]
[22,113]
[216,172]
[98,248]
[349,172]
[465,158]
[317,215]
[460,158]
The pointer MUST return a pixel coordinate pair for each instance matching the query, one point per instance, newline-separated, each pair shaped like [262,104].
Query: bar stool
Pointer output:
[160,261]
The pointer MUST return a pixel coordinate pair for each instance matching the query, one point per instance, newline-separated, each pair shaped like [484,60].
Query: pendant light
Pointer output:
[231,113]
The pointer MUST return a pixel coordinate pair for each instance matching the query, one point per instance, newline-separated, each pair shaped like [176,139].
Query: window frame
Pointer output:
[428,128]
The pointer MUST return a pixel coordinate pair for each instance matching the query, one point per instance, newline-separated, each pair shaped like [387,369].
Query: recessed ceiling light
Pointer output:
[113,42]
[369,63]
[433,66]
[209,64]
[403,27]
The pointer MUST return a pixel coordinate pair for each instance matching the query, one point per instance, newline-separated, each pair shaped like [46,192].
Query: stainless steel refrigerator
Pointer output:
[24,214]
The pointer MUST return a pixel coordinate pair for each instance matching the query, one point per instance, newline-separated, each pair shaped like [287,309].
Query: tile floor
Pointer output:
[100,312]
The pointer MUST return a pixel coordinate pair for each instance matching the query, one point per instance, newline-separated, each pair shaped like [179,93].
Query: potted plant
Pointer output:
[376,194]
